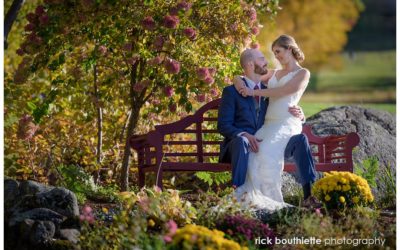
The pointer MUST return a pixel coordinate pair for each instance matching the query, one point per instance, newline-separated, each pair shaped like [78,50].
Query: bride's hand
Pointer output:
[241,87]
[245,91]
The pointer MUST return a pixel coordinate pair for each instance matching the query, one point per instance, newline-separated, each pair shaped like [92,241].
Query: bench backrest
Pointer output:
[195,139]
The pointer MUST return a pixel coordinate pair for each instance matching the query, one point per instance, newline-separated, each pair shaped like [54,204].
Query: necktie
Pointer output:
[257,97]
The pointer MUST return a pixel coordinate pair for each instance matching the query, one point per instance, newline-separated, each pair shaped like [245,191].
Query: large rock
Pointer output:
[39,216]
[377,130]
[61,200]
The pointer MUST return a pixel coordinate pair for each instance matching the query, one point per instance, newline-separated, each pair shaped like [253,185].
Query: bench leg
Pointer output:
[160,177]
[142,178]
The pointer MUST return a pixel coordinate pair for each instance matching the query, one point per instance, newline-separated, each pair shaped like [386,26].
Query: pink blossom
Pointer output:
[255,45]
[167,238]
[255,30]
[202,73]
[148,23]
[174,11]
[252,15]
[209,80]
[172,66]
[169,91]
[139,86]
[190,33]
[87,215]
[170,21]
[29,27]
[201,98]
[156,101]
[158,42]
[213,92]
[44,19]
[39,10]
[20,52]
[172,227]
[32,17]
[212,71]
[102,49]
[184,6]
[155,61]
[172,108]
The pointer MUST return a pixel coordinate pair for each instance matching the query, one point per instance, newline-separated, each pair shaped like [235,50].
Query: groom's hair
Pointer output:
[246,57]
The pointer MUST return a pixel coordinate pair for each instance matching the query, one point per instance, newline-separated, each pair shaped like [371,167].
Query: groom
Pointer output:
[240,117]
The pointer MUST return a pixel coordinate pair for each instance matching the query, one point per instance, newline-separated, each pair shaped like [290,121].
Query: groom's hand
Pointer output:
[297,111]
[253,142]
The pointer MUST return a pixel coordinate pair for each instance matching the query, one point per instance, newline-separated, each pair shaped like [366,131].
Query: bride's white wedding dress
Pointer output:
[262,188]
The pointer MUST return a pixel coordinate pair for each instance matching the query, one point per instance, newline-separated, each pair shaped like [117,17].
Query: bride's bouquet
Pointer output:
[340,190]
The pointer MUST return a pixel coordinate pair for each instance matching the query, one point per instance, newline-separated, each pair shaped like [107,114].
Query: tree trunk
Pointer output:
[10,18]
[133,120]
[99,124]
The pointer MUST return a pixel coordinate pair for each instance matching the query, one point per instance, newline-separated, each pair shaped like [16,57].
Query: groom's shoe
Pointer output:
[311,202]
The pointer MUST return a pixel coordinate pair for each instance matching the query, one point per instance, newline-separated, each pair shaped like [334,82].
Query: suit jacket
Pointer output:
[238,114]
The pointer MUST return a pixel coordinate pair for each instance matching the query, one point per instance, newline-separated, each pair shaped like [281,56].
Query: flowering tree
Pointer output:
[129,54]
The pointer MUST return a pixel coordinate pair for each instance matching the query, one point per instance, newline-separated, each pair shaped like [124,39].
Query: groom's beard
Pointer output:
[260,70]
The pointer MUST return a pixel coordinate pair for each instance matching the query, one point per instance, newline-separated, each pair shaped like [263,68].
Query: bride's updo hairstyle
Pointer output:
[288,42]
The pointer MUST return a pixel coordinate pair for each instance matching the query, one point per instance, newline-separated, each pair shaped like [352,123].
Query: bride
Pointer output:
[262,187]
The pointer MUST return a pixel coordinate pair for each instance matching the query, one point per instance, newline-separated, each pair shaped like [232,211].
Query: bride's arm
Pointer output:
[265,78]
[300,81]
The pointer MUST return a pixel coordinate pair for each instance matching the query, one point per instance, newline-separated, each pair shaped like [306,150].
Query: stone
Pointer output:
[71,235]
[42,232]
[61,200]
[11,194]
[32,187]
[43,214]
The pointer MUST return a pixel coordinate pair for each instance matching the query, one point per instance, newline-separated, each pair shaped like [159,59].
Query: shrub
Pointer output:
[199,237]
[244,230]
[343,189]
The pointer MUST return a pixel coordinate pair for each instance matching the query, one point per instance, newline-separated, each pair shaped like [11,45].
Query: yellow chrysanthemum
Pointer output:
[327,198]
[342,199]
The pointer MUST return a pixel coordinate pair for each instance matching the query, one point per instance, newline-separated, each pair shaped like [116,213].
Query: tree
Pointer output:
[134,53]
[319,26]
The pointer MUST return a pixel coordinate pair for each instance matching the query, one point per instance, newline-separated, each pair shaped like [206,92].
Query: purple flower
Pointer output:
[155,61]
[201,98]
[212,71]
[255,30]
[20,52]
[39,10]
[170,21]
[252,15]
[190,33]
[169,91]
[172,108]
[158,42]
[184,6]
[202,73]
[213,92]
[31,17]
[172,66]
[44,19]
[29,27]
[148,23]
[209,80]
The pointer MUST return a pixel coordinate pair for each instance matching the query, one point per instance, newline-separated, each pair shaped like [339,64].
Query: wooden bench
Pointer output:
[192,144]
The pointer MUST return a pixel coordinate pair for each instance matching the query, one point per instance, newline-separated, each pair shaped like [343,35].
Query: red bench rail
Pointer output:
[198,139]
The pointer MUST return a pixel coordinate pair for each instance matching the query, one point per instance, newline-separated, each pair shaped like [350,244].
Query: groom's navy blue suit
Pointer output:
[238,114]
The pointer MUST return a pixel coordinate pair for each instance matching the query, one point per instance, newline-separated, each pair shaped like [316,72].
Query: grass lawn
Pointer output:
[313,108]
[365,71]
[367,79]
